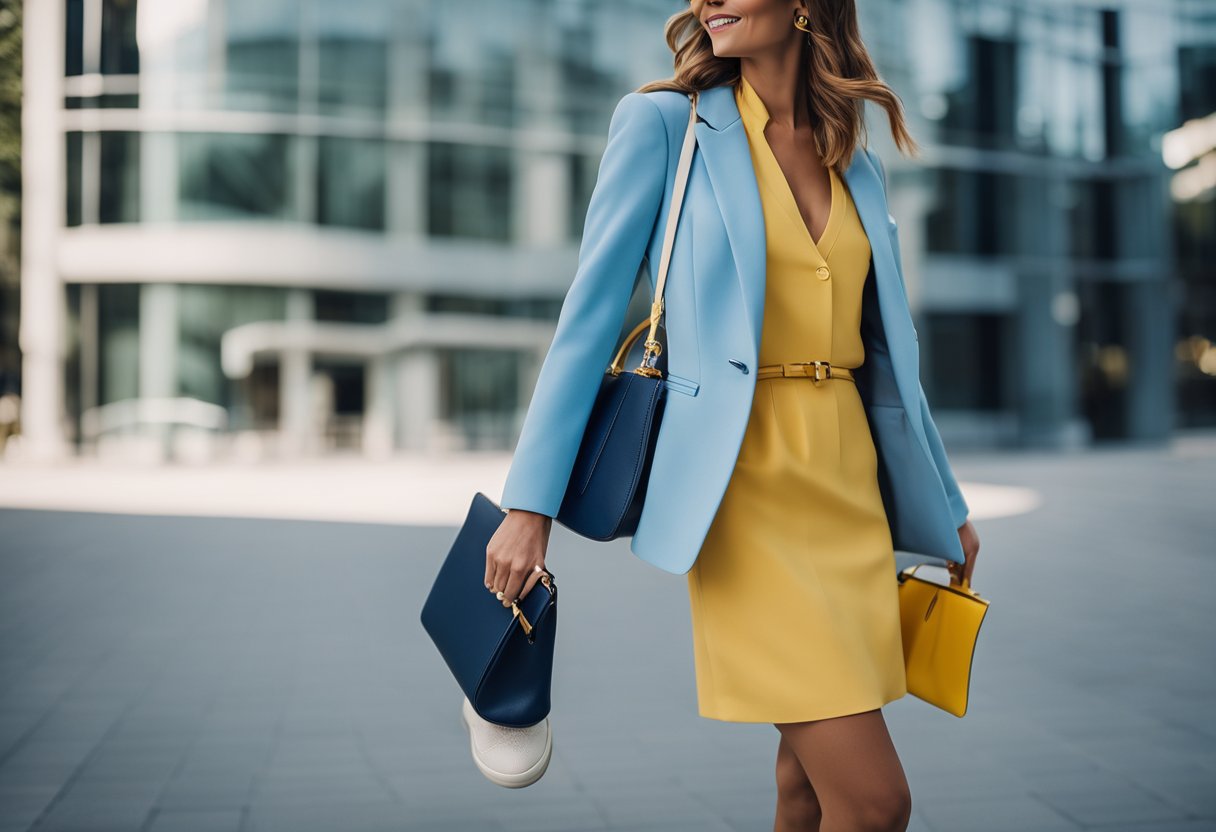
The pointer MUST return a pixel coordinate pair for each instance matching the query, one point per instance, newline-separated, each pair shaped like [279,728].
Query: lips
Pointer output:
[729,21]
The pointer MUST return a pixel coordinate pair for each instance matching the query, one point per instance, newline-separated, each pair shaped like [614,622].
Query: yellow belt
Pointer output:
[817,370]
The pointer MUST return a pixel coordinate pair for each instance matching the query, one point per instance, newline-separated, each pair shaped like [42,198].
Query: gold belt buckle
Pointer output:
[819,364]
[788,369]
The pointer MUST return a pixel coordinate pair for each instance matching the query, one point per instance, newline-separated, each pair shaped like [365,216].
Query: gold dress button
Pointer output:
[824,272]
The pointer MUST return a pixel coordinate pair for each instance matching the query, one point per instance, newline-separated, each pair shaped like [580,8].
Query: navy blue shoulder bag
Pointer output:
[607,487]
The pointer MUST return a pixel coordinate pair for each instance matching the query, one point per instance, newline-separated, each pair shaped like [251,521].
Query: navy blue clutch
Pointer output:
[607,486]
[502,657]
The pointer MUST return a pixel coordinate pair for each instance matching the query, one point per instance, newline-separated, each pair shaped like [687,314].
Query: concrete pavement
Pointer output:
[166,673]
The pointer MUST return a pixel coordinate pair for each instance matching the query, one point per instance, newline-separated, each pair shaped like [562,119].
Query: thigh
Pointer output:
[851,761]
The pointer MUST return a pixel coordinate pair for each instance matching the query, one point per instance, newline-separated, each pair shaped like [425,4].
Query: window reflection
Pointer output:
[118,334]
[119,53]
[472,64]
[262,62]
[234,175]
[119,177]
[72,182]
[350,183]
[205,313]
[974,213]
[469,192]
[353,55]
[73,37]
[966,349]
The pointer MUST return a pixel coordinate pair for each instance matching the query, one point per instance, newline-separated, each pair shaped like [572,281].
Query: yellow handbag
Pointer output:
[939,624]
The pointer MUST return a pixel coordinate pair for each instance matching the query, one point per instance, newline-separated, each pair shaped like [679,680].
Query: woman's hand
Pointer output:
[971,547]
[515,551]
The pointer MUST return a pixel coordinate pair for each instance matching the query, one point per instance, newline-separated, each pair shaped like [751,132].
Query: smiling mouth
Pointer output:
[720,23]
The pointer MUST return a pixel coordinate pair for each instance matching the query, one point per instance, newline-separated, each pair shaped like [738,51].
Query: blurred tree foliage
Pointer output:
[10,190]
[10,98]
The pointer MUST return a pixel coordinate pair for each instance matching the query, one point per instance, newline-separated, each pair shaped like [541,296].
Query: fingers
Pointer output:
[515,582]
[514,563]
[533,577]
[492,567]
[521,581]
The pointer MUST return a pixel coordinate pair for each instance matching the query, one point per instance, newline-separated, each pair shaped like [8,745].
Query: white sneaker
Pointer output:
[510,757]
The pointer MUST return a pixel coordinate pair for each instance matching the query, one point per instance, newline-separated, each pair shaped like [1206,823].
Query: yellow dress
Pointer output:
[793,597]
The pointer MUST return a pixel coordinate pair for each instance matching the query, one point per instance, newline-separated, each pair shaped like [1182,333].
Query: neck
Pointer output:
[777,83]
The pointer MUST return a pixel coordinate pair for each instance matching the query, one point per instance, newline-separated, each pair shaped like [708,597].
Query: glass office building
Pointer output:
[1038,225]
[296,226]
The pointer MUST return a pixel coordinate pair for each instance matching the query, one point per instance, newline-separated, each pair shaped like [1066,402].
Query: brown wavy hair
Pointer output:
[839,77]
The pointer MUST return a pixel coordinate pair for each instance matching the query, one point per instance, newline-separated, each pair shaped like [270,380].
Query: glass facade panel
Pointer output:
[1197,79]
[984,109]
[119,192]
[118,337]
[1092,220]
[350,183]
[1149,79]
[479,395]
[469,192]
[974,212]
[119,52]
[544,308]
[237,176]
[473,58]
[621,45]
[965,351]
[262,59]
[73,30]
[353,55]
[350,307]
[72,172]
[205,313]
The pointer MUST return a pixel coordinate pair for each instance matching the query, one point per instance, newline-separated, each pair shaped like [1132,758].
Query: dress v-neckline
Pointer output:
[759,118]
[791,202]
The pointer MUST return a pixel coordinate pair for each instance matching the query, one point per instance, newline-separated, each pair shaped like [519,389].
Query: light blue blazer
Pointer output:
[713,313]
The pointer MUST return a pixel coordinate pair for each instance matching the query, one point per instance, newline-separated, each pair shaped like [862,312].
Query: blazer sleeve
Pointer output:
[958,505]
[621,214]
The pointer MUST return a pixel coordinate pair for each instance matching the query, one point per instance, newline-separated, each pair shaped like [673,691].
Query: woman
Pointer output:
[780,493]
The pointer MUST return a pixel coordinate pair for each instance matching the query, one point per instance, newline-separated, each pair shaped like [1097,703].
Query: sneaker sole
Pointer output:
[510,781]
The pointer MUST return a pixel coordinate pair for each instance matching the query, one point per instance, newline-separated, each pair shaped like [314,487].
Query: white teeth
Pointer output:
[721,21]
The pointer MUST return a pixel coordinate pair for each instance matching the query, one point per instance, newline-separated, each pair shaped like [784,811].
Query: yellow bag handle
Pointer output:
[963,585]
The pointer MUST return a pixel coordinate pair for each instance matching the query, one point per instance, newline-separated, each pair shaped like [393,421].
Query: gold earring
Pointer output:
[803,23]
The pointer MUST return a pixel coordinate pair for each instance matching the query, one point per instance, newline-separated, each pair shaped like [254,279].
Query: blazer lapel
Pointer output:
[722,142]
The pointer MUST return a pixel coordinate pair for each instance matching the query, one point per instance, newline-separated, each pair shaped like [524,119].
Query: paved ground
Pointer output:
[405,489]
[193,674]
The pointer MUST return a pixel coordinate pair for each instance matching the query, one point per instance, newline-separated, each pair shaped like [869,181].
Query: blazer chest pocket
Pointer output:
[680,384]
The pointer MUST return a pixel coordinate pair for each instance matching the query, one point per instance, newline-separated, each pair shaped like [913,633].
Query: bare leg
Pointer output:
[797,806]
[857,776]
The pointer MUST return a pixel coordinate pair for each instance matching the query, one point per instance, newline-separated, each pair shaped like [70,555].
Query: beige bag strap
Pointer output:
[653,347]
